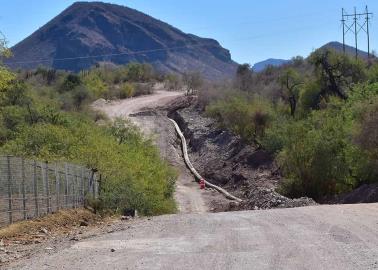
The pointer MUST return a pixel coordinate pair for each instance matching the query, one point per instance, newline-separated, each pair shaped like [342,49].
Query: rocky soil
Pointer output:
[47,235]
[223,159]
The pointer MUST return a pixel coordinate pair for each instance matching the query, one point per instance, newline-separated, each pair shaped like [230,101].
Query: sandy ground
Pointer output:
[341,237]
[125,107]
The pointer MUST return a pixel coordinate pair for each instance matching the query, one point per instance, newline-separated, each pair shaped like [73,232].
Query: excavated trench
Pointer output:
[223,159]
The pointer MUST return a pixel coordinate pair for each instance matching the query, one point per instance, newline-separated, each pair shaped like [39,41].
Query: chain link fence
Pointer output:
[30,188]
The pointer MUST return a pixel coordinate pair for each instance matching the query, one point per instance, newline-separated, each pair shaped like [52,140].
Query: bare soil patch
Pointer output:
[51,232]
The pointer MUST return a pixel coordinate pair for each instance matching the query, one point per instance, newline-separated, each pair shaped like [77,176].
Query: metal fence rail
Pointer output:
[30,188]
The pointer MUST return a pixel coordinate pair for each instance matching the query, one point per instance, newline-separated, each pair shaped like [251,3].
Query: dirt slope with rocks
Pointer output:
[223,159]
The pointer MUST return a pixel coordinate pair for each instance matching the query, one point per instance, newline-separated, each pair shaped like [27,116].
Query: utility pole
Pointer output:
[367,29]
[355,31]
[356,26]
[343,22]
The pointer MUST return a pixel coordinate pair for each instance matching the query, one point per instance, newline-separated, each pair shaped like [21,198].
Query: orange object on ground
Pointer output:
[202,184]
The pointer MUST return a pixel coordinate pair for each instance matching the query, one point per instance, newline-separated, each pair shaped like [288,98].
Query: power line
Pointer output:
[357,25]
[104,55]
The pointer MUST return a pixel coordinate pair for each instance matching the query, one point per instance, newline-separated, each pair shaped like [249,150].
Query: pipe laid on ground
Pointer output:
[194,171]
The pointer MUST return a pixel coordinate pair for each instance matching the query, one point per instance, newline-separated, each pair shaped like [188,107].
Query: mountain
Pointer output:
[90,32]
[337,46]
[260,66]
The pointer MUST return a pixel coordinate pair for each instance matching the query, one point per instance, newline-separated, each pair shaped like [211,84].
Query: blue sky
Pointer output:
[253,30]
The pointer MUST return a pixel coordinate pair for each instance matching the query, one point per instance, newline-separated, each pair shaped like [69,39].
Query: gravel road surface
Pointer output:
[317,237]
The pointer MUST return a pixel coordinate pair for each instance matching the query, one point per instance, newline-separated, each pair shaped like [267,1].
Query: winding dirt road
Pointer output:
[156,124]
[325,237]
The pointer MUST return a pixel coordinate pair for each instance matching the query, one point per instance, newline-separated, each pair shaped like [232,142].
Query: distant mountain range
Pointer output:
[91,32]
[337,46]
[260,66]
[334,45]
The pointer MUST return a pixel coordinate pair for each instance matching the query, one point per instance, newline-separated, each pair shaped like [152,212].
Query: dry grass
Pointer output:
[56,223]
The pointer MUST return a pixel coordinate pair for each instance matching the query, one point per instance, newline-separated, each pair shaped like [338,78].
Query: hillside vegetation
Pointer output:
[317,116]
[44,114]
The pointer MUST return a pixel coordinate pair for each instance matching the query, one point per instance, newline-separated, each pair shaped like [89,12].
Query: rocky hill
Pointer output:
[337,46]
[260,66]
[90,32]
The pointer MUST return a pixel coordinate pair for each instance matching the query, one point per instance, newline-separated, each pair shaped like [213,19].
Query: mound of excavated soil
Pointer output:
[223,159]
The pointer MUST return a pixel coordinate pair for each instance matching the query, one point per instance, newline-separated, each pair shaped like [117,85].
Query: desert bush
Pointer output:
[193,82]
[246,118]
[173,82]
[314,159]
[137,72]
[244,77]
[95,85]
[81,95]
[127,90]
[367,139]
[70,82]
[143,89]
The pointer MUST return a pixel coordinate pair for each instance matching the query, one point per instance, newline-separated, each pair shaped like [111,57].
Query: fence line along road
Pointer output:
[30,188]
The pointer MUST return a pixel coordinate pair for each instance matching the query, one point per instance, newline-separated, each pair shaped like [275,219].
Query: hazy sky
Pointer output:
[253,30]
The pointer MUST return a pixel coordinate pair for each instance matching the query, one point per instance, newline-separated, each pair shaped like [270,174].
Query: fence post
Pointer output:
[23,187]
[96,186]
[35,184]
[45,179]
[66,185]
[9,191]
[57,186]
[82,186]
[74,183]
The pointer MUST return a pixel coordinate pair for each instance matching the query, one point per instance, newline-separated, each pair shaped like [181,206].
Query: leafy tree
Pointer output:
[337,73]
[367,139]
[309,97]
[139,72]
[4,51]
[193,81]
[70,82]
[314,158]
[290,82]
[244,77]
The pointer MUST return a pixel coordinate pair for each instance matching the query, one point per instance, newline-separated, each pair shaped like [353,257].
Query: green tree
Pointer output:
[70,82]
[290,82]
[193,82]
[337,73]
[244,77]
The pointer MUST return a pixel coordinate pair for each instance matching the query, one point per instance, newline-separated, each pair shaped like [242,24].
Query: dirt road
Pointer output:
[341,237]
[156,124]
[125,107]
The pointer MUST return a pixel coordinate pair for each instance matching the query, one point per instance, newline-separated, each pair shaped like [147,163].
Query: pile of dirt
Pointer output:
[99,103]
[48,233]
[367,193]
[246,171]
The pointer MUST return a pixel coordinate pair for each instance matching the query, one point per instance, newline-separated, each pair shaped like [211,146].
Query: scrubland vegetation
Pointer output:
[317,116]
[44,114]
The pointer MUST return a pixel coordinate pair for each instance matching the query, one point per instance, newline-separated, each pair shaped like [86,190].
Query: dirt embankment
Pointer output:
[222,158]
